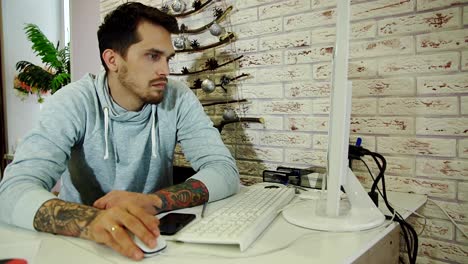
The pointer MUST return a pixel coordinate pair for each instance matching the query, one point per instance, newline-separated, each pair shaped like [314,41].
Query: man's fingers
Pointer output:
[141,224]
[119,240]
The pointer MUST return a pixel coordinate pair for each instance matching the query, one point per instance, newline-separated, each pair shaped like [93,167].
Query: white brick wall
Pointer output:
[409,68]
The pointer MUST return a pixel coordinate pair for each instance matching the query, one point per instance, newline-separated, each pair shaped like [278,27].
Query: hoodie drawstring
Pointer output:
[106,132]
[153,131]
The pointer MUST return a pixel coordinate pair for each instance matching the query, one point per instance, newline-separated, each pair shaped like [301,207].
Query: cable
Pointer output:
[409,234]
[448,216]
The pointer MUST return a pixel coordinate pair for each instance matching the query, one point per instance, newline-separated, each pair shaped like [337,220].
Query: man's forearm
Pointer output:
[64,218]
[187,194]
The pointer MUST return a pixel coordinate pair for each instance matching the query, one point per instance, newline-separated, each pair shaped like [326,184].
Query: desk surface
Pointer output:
[280,243]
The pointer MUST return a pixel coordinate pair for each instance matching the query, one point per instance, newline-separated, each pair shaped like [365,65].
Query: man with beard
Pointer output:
[110,138]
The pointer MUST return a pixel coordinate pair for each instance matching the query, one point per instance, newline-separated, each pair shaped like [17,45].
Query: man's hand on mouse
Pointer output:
[112,226]
[149,202]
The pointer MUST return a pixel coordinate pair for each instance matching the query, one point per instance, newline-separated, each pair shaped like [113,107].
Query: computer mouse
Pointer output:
[147,251]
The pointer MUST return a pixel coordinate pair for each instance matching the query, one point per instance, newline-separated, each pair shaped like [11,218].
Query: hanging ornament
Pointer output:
[208,86]
[216,29]
[178,6]
[179,42]
[229,114]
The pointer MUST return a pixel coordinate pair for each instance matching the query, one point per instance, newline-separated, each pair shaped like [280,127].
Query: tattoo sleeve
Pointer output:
[187,194]
[64,218]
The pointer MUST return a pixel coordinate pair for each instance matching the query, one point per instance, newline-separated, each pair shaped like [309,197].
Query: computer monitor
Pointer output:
[331,212]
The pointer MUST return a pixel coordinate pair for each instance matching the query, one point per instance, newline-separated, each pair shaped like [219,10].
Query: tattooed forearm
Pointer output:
[187,194]
[65,218]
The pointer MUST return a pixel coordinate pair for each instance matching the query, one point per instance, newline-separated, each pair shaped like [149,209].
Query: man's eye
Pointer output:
[153,56]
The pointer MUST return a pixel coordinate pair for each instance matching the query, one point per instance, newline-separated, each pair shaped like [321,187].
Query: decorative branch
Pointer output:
[225,80]
[184,29]
[209,67]
[222,40]
[197,7]
[221,125]
[225,102]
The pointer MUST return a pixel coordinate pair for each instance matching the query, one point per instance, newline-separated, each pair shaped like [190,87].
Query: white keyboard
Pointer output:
[241,220]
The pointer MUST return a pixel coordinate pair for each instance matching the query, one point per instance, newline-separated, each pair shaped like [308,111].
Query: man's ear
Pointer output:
[110,58]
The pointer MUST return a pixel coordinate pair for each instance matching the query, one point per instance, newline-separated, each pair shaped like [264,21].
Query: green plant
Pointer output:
[55,73]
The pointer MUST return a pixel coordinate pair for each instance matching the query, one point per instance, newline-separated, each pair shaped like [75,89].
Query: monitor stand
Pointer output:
[357,212]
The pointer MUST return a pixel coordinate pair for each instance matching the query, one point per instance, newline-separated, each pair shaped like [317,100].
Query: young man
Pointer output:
[111,140]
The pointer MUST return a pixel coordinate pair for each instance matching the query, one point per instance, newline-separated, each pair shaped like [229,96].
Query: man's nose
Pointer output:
[163,69]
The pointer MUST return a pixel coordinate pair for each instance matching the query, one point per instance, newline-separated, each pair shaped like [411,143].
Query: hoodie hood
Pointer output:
[114,113]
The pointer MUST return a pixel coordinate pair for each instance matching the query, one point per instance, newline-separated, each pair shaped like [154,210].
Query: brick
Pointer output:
[443,250]
[307,123]
[310,19]
[261,59]
[261,91]
[461,237]
[435,188]
[359,106]
[382,125]
[381,8]
[464,105]
[417,146]
[258,28]
[464,61]
[271,123]
[239,137]
[463,191]
[419,106]
[434,63]
[387,86]
[422,22]
[356,69]
[260,153]
[446,169]
[442,126]
[457,211]
[429,4]
[453,84]
[241,4]
[395,165]
[283,139]
[241,109]
[463,148]
[283,8]
[321,141]
[253,167]
[309,55]
[286,107]
[446,40]
[465,15]
[240,47]
[433,228]
[421,259]
[243,16]
[382,47]
[317,4]
[306,157]
[283,73]
[288,40]
[307,89]
[359,30]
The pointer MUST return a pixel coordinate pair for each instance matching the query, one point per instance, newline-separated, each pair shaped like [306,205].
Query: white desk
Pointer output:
[305,246]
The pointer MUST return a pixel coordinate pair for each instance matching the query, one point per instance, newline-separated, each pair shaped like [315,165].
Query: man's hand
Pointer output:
[187,194]
[110,227]
[148,202]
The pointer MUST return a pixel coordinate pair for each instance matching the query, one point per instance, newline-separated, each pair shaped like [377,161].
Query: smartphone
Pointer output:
[171,223]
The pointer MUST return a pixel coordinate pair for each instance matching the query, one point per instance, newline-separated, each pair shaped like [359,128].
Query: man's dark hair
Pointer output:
[119,29]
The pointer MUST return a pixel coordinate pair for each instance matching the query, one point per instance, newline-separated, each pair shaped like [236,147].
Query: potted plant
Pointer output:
[34,79]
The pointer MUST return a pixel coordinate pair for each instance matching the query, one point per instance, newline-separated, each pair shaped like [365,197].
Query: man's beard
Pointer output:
[131,85]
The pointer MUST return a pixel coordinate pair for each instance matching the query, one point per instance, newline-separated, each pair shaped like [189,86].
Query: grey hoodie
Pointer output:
[96,146]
